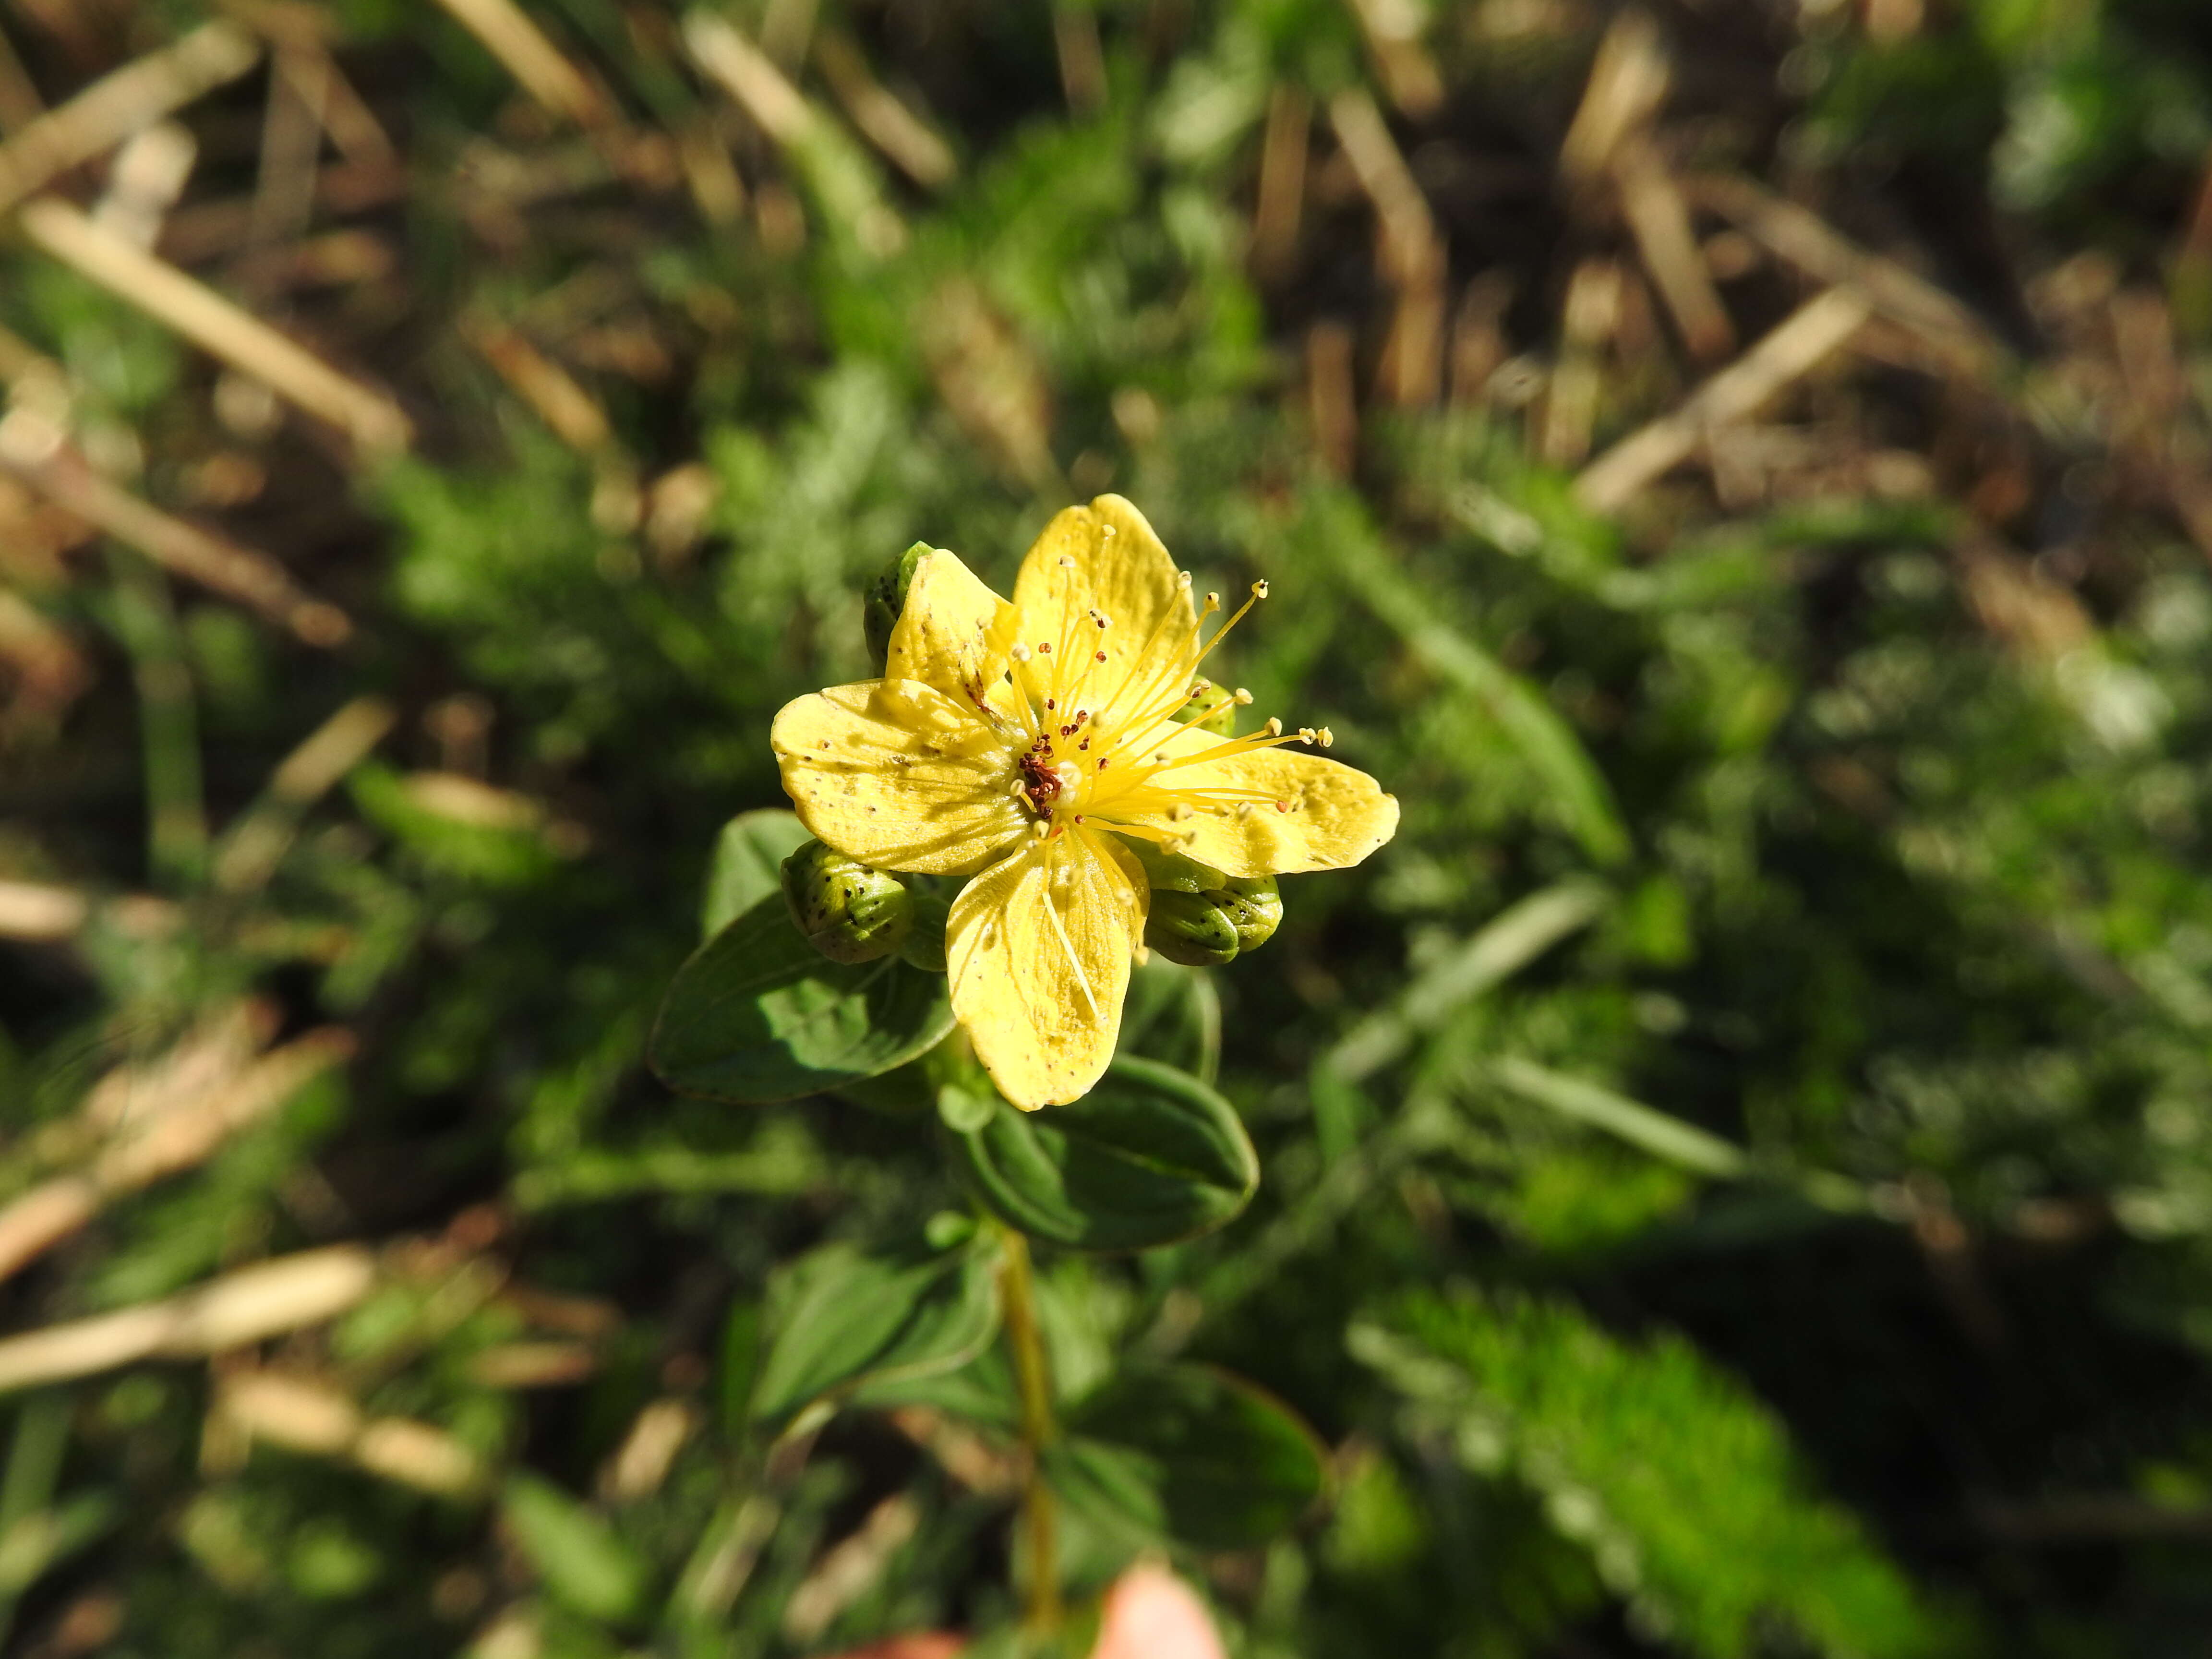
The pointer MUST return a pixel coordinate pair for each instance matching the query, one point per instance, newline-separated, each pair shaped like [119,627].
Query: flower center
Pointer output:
[1044,781]
[1062,775]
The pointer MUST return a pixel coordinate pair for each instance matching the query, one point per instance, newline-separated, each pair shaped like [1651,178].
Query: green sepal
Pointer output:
[885,599]
[933,897]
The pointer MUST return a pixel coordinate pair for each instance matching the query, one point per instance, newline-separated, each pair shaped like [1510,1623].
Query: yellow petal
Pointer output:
[1038,949]
[1263,811]
[1116,567]
[953,632]
[898,774]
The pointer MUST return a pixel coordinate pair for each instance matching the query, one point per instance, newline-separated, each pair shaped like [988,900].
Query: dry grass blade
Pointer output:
[1409,230]
[1592,310]
[37,914]
[743,70]
[178,1132]
[255,845]
[845,1572]
[250,1305]
[1332,406]
[911,144]
[1283,155]
[144,182]
[551,392]
[112,109]
[1402,62]
[352,124]
[1810,243]
[648,1452]
[33,451]
[1081,58]
[1738,391]
[533,60]
[208,320]
[1412,254]
[322,1420]
[1659,218]
[19,103]
[206,230]
[1627,83]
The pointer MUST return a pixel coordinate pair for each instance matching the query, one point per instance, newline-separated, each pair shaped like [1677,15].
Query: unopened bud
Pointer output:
[1202,917]
[847,910]
[885,599]
[932,906]
[1222,719]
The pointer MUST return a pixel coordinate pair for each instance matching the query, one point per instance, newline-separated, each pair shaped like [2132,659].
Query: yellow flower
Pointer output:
[1019,745]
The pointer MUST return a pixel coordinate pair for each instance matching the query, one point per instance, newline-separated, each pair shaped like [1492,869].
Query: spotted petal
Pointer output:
[953,632]
[1038,948]
[1260,811]
[898,774]
[1117,569]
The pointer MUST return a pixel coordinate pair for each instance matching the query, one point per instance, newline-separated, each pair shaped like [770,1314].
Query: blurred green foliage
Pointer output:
[1735,1172]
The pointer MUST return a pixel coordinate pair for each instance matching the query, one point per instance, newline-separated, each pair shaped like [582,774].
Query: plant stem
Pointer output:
[1040,1521]
[146,621]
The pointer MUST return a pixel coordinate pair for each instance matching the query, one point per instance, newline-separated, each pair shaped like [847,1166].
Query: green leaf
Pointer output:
[1173,1015]
[1645,1127]
[842,1318]
[1149,1157]
[582,1562]
[748,854]
[1547,745]
[1190,1453]
[757,1015]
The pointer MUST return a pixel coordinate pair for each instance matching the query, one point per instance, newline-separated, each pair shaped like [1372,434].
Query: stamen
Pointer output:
[1213,604]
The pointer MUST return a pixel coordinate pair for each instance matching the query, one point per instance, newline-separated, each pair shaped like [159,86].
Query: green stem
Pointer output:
[145,620]
[1040,1520]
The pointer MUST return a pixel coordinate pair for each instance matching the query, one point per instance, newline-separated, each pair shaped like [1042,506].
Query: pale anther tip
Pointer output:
[1260,589]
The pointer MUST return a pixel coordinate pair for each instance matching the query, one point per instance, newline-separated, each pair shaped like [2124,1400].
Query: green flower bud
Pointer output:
[1201,916]
[885,599]
[848,911]
[1223,720]
[932,908]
